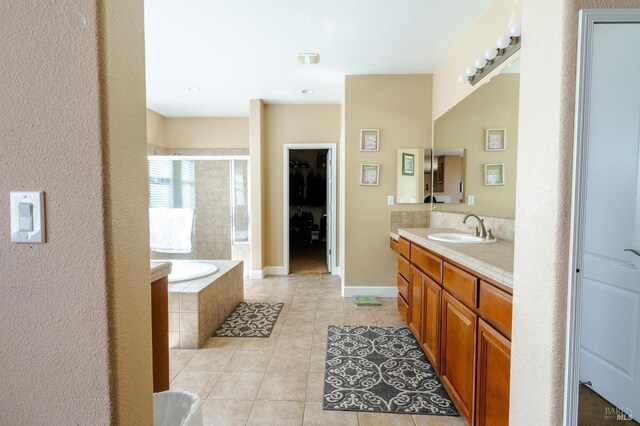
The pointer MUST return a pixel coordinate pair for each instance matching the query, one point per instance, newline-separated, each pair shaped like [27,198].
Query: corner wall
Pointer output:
[76,340]
[547,95]
[400,106]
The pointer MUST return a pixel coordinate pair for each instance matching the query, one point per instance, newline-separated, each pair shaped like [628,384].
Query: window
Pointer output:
[172,184]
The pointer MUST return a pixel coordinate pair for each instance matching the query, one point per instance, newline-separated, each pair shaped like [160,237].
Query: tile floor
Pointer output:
[279,380]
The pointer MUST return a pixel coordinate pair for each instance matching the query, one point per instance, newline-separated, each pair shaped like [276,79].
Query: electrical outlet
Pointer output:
[471,200]
[389,200]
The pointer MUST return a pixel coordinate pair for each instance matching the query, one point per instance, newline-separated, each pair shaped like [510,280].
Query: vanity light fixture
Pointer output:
[505,47]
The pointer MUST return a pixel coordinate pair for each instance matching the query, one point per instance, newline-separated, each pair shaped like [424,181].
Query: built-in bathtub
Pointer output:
[202,293]
[188,270]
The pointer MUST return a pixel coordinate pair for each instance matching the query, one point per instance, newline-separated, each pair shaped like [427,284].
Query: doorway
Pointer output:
[309,216]
[603,352]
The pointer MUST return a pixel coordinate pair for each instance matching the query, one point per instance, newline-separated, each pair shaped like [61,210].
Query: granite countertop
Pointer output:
[160,270]
[492,260]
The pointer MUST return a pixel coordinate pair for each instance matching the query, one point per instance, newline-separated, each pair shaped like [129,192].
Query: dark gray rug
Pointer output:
[250,320]
[381,369]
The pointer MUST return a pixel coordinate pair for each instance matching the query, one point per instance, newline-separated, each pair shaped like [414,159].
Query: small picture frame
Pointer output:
[494,174]
[495,140]
[370,174]
[408,164]
[370,140]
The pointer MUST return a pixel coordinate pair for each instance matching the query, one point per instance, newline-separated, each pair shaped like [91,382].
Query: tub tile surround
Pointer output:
[198,307]
[502,228]
[495,260]
[408,219]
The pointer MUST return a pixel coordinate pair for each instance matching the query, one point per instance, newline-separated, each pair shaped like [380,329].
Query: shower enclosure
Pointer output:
[199,207]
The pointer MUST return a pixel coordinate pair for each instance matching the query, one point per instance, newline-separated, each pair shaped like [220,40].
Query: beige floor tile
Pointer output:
[254,361]
[318,359]
[298,342]
[387,419]
[226,412]
[258,343]
[290,330]
[209,360]
[198,382]
[314,415]
[439,421]
[237,386]
[315,387]
[178,358]
[277,413]
[289,386]
[222,342]
[290,360]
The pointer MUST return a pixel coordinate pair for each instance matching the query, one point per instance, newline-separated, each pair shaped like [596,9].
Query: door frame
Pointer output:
[588,18]
[331,216]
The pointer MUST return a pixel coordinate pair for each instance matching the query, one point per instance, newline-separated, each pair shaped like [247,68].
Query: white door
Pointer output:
[329,208]
[610,335]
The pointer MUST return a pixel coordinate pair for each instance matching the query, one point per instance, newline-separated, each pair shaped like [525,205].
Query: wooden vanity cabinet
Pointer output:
[458,346]
[493,377]
[462,321]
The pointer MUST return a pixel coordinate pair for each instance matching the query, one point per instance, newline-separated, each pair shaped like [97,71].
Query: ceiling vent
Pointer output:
[307,58]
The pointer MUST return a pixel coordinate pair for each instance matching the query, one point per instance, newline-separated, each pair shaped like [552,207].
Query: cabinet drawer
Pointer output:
[495,306]
[393,244]
[403,308]
[429,263]
[403,287]
[461,284]
[403,267]
[404,247]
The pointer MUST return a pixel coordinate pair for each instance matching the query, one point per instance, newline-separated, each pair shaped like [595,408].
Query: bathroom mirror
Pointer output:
[413,176]
[484,126]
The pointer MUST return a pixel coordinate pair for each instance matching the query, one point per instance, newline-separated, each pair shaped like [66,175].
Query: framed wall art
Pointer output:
[493,174]
[369,140]
[370,174]
[495,140]
[408,164]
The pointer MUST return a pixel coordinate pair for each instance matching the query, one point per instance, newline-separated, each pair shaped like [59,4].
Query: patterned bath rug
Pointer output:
[250,320]
[381,369]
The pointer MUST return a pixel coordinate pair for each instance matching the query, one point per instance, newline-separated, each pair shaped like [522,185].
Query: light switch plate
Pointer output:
[37,226]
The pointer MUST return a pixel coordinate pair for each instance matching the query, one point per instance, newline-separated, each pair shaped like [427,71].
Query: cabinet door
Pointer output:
[415,310]
[493,377]
[431,295]
[458,348]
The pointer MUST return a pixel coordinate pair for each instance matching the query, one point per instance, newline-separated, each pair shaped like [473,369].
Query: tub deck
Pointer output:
[198,307]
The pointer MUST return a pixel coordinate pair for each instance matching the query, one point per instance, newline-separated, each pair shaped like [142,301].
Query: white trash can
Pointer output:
[176,408]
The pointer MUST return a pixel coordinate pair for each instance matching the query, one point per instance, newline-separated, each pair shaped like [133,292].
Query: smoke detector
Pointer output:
[307,58]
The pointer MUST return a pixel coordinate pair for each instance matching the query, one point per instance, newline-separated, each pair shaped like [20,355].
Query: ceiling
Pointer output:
[209,57]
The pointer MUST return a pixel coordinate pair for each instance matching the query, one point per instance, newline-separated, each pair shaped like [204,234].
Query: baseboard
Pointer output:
[275,270]
[369,291]
[257,274]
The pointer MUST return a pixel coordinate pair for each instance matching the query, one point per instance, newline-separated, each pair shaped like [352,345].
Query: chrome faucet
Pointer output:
[480,229]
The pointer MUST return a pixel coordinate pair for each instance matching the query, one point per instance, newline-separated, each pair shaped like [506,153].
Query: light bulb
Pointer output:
[503,42]
[516,29]
[490,54]
[471,71]
[481,63]
[463,78]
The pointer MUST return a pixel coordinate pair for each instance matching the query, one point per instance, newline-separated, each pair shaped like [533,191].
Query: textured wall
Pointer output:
[492,105]
[70,308]
[400,106]
[126,197]
[207,132]
[156,129]
[547,95]
[289,124]
[256,142]
[493,23]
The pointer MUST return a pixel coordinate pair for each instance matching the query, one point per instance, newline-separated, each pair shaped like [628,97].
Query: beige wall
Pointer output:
[289,124]
[493,23]
[70,308]
[258,188]
[209,132]
[494,105]
[156,129]
[400,106]
[547,95]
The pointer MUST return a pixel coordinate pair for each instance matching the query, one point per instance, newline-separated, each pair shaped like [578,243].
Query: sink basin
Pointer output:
[457,238]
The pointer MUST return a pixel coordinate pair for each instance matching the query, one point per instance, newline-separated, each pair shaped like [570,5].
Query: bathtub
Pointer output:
[186,270]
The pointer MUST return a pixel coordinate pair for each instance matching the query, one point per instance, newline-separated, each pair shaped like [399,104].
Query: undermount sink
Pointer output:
[457,238]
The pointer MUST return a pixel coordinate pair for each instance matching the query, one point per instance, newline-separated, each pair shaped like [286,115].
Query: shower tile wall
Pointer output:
[213,210]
